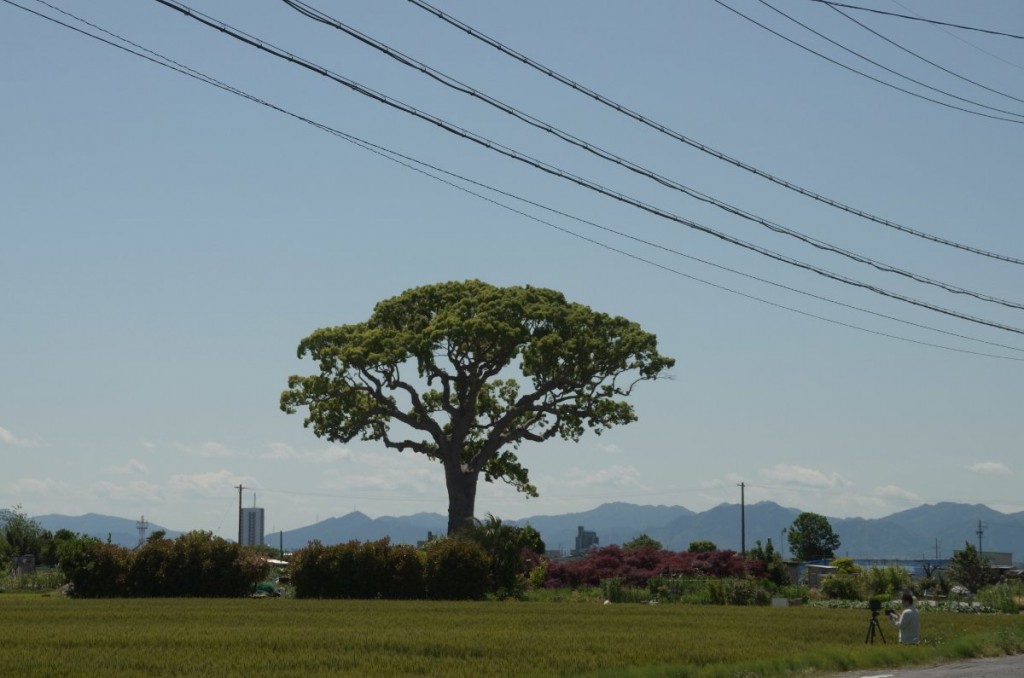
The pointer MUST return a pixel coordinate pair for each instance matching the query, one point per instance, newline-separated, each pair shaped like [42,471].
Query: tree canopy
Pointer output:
[432,371]
[643,541]
[811,537]
[970,568]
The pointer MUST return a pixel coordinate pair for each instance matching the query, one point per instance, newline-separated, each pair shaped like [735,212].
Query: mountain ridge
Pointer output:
[923,532]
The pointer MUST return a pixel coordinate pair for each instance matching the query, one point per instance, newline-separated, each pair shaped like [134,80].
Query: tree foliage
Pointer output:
[456,569]
[376,569]
[194,564]
[635,567]
[811,537]
[702,546]
[643,541]
[513,551]
[771,562]
[20,535]
[432,372]
[971,569]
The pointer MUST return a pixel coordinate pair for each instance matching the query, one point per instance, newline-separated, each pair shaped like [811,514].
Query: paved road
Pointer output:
[999,667]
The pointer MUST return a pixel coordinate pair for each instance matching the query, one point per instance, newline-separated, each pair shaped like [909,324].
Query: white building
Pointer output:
[252,527]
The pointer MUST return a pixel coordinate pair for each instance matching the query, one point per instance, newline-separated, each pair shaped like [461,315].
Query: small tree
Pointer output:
[702,546]
[970,569]
[774,569]
[20,535]
[811,537]
[643,542]
[512,551]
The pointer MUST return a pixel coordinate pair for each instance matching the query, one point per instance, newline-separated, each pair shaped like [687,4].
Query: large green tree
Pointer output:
[811,537]
[464,372]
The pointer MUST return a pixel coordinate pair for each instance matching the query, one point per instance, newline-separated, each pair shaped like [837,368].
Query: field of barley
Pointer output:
[55,636]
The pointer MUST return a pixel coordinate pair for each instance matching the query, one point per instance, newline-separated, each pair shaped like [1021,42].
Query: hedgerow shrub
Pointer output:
[304,571]
[514,551]
[444,569]
[405,572]
[195,564]
[842,586]
[456,569]
[94,569]
[636,567]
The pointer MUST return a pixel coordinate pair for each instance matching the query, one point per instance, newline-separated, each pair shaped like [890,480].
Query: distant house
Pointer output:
[998,559]
[585,541]
[815,574]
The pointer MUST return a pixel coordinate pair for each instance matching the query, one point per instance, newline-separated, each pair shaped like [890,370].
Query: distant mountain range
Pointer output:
[916,533]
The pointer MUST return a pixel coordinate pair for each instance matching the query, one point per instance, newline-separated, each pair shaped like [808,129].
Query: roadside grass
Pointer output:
[55,636]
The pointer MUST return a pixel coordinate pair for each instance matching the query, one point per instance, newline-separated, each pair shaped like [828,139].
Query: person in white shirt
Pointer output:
[907,621]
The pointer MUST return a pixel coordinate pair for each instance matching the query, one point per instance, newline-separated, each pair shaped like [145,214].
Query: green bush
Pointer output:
[95,569]
[737,591]
[195,564]
[842,586]
[357,570]
[889,580]
[304,571]
[405,571]
[456,569]
[1006,597]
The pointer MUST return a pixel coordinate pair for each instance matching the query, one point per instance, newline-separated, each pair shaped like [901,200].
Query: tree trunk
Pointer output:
[461,496]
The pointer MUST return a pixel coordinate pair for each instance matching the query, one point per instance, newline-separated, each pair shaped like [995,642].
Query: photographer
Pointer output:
[907,621]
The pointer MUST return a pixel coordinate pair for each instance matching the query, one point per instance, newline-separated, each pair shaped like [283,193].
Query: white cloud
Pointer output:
[896,493]
[132,466]
[285,452]
[383,473]
[136,490]
[612,477]
[43,486]
[8,438]
[609,448]
[212,484]
[207,449]
[803,477]
[990,468]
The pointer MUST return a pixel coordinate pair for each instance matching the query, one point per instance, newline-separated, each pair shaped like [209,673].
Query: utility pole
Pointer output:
[980,532]
[743,521]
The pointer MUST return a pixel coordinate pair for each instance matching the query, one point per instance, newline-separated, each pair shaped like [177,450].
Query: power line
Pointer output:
[625,110]
[924,59]
[405,160]
[862,73]
[963,40]
[886,68]
[555,171]
[463,88]
[919,18]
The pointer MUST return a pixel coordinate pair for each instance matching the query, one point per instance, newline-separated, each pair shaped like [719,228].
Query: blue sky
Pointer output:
[166,244]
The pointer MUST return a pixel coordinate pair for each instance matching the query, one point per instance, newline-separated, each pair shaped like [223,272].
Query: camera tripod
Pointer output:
[872,626]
